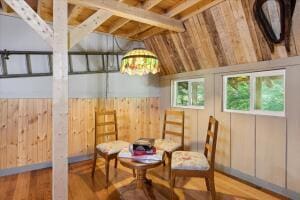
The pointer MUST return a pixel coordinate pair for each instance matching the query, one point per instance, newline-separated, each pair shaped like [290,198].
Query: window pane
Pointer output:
[198,93]
[238,93]
[270,93]
[182,98]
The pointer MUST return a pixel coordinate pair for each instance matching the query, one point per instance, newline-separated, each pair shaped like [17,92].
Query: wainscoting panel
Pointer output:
[26,126]
[243,143]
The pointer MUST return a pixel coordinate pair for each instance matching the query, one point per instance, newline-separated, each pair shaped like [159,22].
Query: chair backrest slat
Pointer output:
[178,124]
[212,132]
[104,114]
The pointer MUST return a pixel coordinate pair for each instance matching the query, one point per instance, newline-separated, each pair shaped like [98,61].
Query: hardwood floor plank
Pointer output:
[37,185]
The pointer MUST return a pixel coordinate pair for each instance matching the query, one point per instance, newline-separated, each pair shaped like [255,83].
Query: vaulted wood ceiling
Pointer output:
[226,34]
[133,19]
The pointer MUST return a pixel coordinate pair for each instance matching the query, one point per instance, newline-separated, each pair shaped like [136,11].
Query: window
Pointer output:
[189,93]
[255,93]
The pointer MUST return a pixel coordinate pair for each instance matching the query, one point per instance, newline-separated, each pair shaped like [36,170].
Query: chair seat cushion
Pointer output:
[166,145]
[112,147]
[187,160]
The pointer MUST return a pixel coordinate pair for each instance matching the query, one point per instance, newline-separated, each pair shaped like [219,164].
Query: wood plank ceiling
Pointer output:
[155,16]
[224,35]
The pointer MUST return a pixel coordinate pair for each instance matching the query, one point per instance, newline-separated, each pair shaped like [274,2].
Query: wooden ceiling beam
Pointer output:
[139,30]
[181,7]
[150,4]
[149,33]
[205,4]
[171,13]
[32,19]
[208,4]
[88,26]
[133,13]
[6,8]
[122,22]
[74,12]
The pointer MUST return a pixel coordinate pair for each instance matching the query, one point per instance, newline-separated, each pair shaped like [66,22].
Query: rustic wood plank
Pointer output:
[181,7]
[209,5]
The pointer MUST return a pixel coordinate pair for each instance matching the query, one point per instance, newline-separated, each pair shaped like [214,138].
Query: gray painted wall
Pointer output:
[17,35]
[258,148]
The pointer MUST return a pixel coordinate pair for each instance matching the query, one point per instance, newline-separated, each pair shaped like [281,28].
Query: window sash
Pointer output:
[175,89]
[253,77]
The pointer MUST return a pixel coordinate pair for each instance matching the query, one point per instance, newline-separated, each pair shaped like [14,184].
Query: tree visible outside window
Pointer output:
[256,93]
[189,93]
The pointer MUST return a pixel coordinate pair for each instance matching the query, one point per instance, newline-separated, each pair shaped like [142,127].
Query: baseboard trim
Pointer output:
[22,169]
[258,182]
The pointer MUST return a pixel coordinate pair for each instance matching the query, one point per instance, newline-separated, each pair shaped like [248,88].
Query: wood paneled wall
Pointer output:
[26,126]
[226,34]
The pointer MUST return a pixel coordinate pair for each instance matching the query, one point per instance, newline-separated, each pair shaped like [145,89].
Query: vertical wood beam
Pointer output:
[32,19]
[60,101]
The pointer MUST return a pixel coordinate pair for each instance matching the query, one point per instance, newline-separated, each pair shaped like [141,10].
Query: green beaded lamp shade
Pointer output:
[139,62]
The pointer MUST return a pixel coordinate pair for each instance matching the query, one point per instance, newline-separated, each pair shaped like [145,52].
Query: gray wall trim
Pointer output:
[258,182]
[22,169]
[264,65]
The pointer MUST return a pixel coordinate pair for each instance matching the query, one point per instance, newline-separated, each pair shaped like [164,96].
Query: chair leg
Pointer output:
[212,188]
[116,163]
[94,164]
[207,183]
[133,173]
[169,164]
[172,184]
[106,173]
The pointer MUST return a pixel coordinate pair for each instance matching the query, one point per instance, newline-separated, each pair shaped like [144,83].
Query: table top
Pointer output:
[133,164]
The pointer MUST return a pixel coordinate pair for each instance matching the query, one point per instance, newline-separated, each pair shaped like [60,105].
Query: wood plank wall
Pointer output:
[226,34]
[26,126]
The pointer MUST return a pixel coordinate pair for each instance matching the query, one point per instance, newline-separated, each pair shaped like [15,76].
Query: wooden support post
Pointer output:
[60,101]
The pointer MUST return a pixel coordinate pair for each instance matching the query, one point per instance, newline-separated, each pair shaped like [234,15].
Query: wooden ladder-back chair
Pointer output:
[169,145]
[108,150]
[195,164]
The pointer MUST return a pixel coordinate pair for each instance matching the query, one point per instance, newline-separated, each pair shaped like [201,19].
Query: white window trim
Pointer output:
[174,93]
[253,77]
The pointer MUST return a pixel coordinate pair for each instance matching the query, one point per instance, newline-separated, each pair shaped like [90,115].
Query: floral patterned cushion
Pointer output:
[112,147]
[166,145]
[188,160]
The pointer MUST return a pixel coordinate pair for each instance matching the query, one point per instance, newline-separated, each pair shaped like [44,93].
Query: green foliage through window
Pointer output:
[238,93]
[257,93]
[270,93]
[190,93]
[182,97]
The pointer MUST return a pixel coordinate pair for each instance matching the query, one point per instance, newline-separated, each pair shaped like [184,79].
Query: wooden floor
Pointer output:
[37,185]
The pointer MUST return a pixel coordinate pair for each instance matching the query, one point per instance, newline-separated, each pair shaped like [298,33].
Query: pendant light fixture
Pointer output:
[139,61]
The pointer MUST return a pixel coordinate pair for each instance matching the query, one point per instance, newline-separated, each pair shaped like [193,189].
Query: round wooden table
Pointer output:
[141,170]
